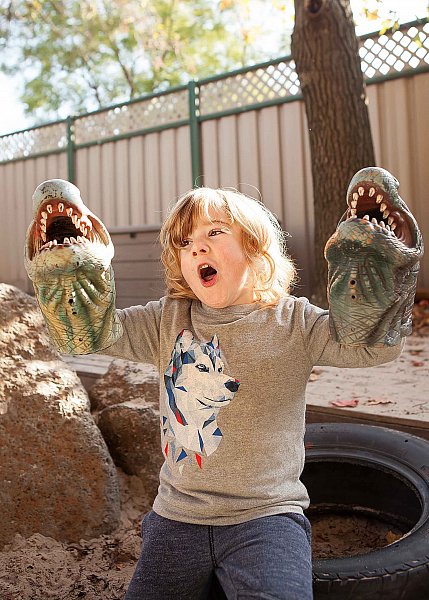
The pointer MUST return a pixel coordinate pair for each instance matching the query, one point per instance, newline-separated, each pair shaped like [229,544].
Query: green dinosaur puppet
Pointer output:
[373,262]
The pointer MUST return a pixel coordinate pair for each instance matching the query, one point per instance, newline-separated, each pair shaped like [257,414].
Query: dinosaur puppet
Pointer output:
[68,254]
[373,260]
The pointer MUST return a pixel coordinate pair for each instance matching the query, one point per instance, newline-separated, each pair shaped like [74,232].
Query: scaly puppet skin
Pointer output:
[68,254]
[373,261]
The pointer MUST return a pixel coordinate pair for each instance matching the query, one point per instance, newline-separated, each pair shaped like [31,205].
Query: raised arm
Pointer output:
[68,254]
[373,261]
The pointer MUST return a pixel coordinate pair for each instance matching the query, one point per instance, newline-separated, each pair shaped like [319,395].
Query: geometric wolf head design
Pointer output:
[196,389]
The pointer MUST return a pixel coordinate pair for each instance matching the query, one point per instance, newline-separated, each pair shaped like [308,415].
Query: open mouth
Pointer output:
[59,224]
[207,272]
[371,203]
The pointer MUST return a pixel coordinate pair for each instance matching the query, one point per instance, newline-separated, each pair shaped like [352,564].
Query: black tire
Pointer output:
[385,473]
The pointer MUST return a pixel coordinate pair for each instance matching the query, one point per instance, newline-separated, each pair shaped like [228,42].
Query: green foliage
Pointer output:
[77,55]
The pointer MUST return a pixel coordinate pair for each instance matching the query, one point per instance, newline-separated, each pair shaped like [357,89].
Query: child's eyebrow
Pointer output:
[219,222]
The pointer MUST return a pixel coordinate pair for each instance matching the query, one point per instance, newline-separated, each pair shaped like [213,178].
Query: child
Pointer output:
[235,351]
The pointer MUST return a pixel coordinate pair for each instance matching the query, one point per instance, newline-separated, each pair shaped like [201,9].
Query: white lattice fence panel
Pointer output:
[405,49]
[127,118]
[40,140]
[266,83]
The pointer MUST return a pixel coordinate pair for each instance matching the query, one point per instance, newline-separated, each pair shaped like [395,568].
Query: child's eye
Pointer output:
[214,232]
[202,367]
[184,243]
[220,369]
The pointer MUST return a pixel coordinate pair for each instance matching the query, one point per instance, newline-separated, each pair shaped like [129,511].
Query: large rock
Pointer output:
[56,475]
[125,381]
[129,421]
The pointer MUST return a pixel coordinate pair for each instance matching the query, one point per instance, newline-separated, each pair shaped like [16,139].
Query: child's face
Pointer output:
[214,265]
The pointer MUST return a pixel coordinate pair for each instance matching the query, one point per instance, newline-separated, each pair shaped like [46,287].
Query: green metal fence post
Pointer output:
[70,150]
[194,128]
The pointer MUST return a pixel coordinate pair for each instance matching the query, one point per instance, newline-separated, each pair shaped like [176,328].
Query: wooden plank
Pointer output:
[210,154]
[227,152]
[248,154]
[108,200]
[137,203]
[269,152]
[21,221]
[94,199]
[168,168]
[139,288]
[7,241]
[82,173]
[418,162]
[135,252]
[152,178]
[143,270]
[183,160]
[122,184]
[372,93]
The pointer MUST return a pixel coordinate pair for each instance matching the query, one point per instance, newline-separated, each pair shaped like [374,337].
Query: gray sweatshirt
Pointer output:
[232,401]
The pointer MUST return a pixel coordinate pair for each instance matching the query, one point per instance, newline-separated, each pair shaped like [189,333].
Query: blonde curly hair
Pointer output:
[263,241]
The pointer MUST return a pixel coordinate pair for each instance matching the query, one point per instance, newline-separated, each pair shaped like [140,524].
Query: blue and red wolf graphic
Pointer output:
[196,390]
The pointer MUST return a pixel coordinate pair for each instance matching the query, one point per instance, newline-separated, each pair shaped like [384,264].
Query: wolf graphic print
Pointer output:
[196,390]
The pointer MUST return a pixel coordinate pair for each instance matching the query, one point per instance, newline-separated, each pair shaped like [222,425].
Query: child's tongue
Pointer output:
[207,273]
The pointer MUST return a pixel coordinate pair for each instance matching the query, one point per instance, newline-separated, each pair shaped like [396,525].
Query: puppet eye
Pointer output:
[202,368]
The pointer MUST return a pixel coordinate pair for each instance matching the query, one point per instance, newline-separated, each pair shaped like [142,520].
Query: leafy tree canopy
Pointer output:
[79,55]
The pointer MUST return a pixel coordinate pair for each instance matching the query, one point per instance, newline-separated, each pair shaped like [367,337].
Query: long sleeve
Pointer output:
[140,339]
[323,350]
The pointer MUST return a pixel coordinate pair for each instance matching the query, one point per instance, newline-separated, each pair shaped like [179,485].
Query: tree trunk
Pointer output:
[325,50]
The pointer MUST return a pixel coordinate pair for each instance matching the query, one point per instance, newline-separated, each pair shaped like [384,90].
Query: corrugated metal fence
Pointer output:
[245,129]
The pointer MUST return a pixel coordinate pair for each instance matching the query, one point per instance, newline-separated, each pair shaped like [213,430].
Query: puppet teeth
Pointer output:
[361,191]
[390,220]
[366,217]
[49,208]
[353,212]
[386,214]
[355,196]
[379,198]
[353,203]
[393,227]
[383,207]
[371,192]
[60,207]
[374,221]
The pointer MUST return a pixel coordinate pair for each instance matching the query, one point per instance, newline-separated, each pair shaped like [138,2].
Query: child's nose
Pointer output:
[199,248]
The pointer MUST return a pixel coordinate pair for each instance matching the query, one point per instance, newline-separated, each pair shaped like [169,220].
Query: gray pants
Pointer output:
[267,558]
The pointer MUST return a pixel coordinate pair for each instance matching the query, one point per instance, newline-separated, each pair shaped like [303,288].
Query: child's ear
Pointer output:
[184,340]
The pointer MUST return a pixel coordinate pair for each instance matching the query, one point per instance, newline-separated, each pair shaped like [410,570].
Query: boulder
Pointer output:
[130,427]
[125,381]
[56,475]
